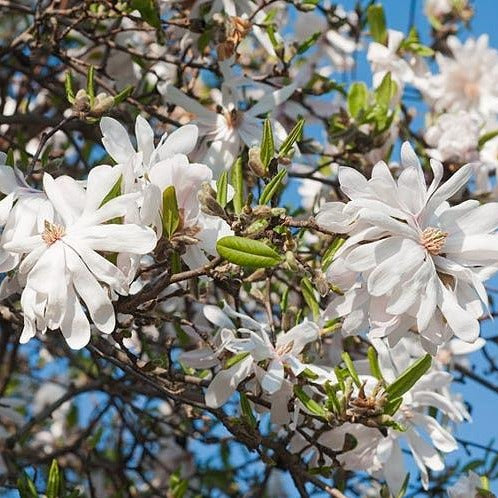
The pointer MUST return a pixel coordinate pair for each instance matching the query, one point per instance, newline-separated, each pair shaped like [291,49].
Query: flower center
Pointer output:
[433,240]
[285,348]
[52,233]
[471,89]
[233,117]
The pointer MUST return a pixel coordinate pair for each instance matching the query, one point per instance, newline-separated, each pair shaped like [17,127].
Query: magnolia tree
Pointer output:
[230,267]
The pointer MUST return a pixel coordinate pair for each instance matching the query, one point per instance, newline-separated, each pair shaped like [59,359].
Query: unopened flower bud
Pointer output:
[209,204]
[255,164]
[321,283]
[103,103]
[291,261]
[81,102]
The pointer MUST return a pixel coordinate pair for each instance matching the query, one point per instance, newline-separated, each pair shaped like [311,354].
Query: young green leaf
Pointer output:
[247,252]
[272,187]
[309,42]
[247,410]
[328,257]
[237,179]
[10,158]
[233,360]
[222,189]
[377,22]
[309,296]
[54,481]
[267,144]
[26,487]
[374,363]
[114,192]
[68,84]
[351,368]
[123,94]
[357,98]
[486,137]
[294,135]
[384,92]
[90,84]
[170,213]
[409,377]
[148,10]
[310,404]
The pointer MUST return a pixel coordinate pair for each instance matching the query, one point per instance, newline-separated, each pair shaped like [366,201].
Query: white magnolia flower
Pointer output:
[63,265]
[187,179]
[22,210]
[225,131]
[466,486]
[421,261]
[454,137]
[118,144]
[252,342]
[468,80]
[385,59]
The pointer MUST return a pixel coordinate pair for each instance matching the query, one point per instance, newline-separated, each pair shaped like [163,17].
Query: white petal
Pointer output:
[116,140]
[272,380]
[75,326]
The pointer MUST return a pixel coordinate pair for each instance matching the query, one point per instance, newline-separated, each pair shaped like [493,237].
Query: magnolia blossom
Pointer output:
[466,486]
[415,263]
[255,352]
[150,169]
[468,80]
[22,210]
[454,137]
[62,263]
[119,146]
[224,131]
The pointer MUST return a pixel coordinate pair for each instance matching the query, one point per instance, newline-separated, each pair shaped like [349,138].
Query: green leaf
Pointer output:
[9,160]
[309,42]
[233,360]
[123,94]
[294,135]
[170,213]
[237,179]
[54,481]
[68,84]
[114,192]
[148,10]
[392,406]
[374,363]
[377,22]
[267,144]
[222,189]
[486,137]
[309,296]
[247,252]
[247,410]
[328,257]
[409,377]
[272,187]
[351,368]
[309,403]
[385,91]
[26,486]
[357,98]
[90,84]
